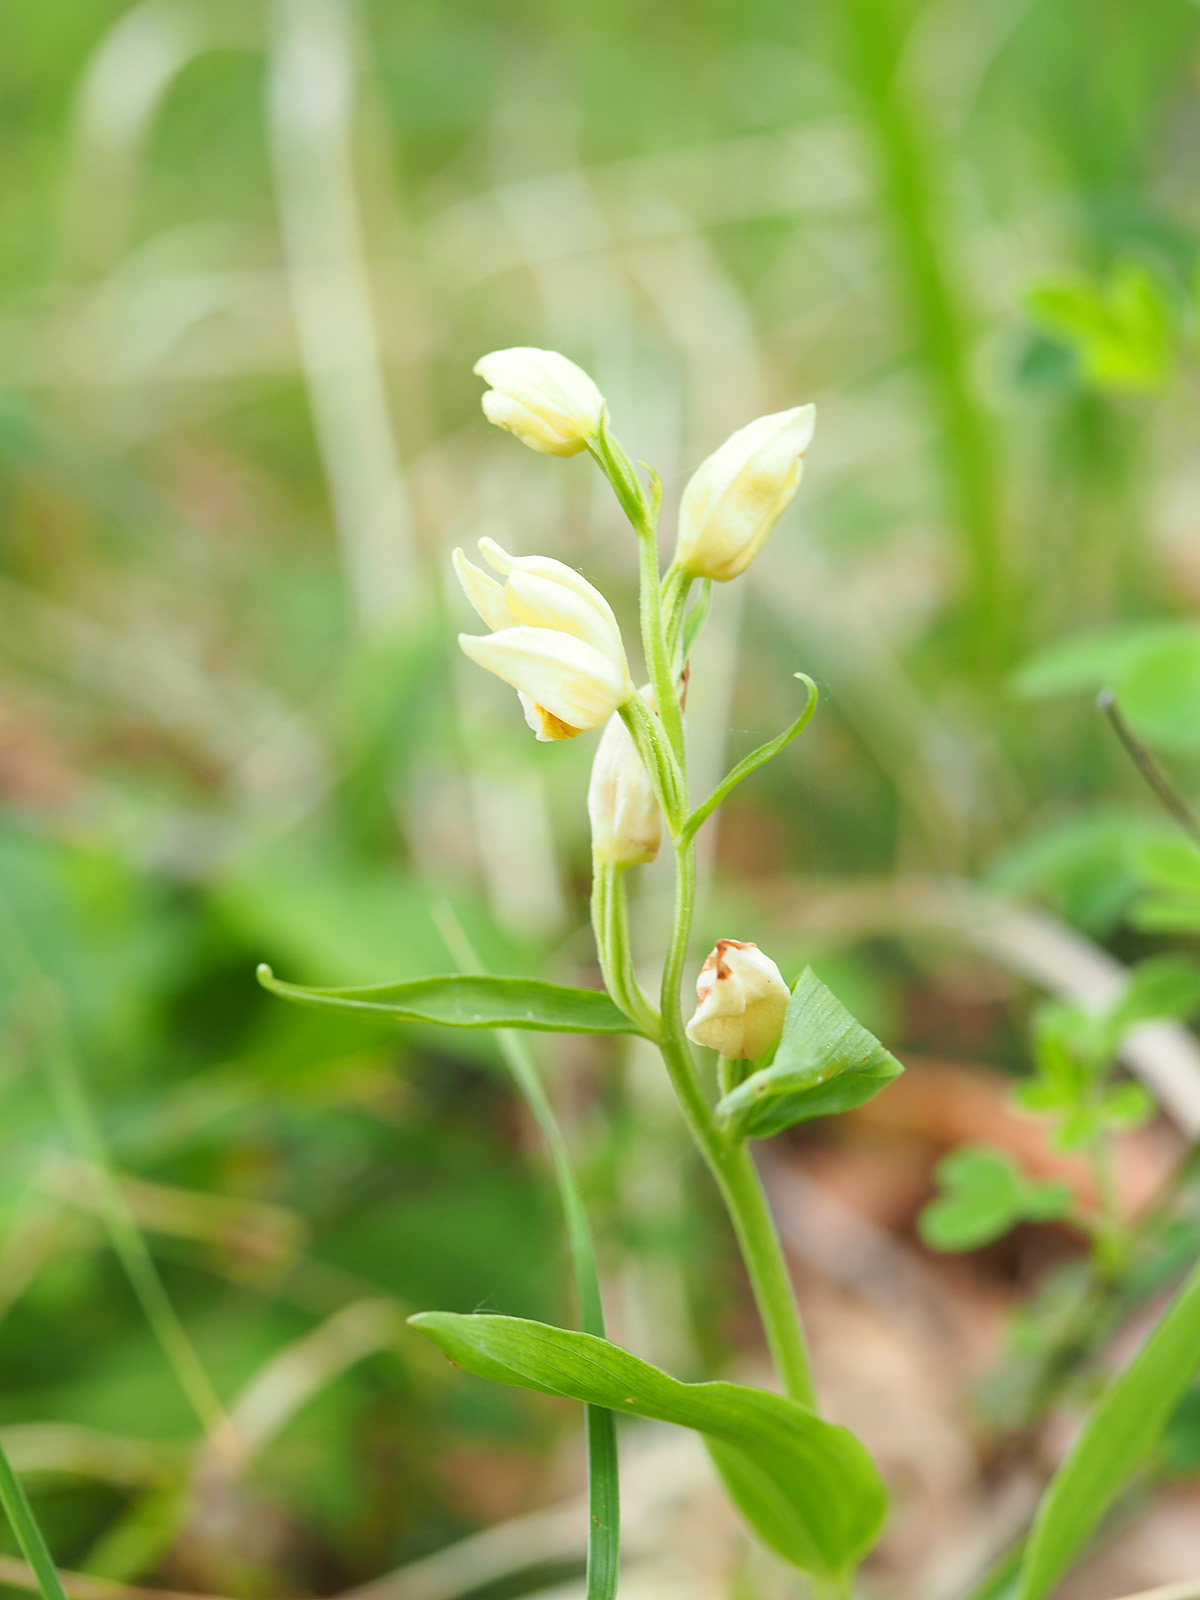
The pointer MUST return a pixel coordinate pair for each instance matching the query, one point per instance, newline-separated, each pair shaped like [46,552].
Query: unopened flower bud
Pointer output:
[627,821]
[741,1001]
[736,497]
[547,401]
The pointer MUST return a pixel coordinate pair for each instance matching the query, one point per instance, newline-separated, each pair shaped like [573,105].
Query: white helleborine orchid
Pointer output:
[554,638]
[627,820]
[741,1001]
[547,401]
[735,498]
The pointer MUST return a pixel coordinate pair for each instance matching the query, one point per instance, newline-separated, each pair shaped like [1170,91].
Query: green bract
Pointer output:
[826,1062]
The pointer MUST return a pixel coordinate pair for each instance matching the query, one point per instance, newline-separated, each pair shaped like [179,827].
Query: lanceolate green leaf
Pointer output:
[754,760]
[1121,1430]
[469,1000]
[826,1062]
[807,1487]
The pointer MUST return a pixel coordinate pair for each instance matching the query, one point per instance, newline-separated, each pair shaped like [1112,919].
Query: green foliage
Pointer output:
[983,1196]
[807,1487]
[1169,870]
[1154,669]
[209,754]
[1085,865]
[1160,987]
[1121,333]
[468,1000]
[1121,1430]
[1181,1436]
[826,1062]
[1074,1047]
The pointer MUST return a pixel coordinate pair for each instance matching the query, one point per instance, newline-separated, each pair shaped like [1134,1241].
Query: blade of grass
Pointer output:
[911,188]
[1114,1443]
[311,92]
[604,1503]
[28,1534]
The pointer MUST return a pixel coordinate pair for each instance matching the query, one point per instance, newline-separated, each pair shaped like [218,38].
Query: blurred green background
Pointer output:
[249,253]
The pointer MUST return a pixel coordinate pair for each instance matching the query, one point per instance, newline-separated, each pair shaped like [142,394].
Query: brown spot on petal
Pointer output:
[718,955]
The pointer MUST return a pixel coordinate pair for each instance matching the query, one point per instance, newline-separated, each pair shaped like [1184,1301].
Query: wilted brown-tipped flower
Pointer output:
[741,1001]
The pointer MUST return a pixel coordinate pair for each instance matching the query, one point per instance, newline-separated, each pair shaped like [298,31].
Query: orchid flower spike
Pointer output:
[554,639]
[735,498]
[741,1001]
[547,401]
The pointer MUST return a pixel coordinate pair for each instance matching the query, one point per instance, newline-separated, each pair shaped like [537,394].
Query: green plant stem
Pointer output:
[1110,1235]
[604,1500]
[730,1163]
[676,585]
[763,1255]
[613,460]
[610,922]
[649,737]
[654,644]
[28,1535]
[729,1075]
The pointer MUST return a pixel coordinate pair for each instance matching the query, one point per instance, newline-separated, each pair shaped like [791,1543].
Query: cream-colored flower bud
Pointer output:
[554,638]
[736,497]
[627,820]
[741,1001]
[547,401]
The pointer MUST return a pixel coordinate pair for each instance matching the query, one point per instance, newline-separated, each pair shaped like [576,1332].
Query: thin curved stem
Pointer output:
[676,585]
[610,923]
[763,1255]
